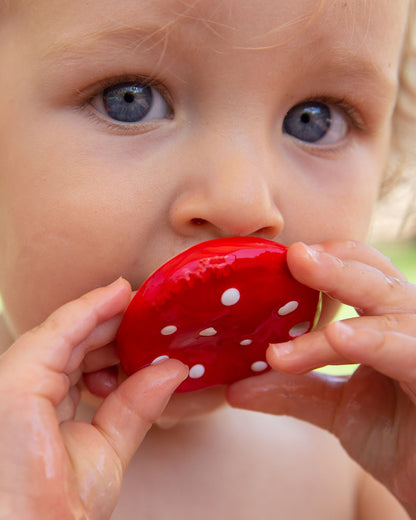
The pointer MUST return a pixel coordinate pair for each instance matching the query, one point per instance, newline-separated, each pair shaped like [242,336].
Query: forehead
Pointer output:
[305,30]
[244,22]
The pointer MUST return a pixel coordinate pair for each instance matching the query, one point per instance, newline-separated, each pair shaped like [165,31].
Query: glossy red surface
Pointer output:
[216,307]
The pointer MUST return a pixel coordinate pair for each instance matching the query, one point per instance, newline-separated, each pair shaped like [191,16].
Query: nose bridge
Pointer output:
[232,191]
[236,178]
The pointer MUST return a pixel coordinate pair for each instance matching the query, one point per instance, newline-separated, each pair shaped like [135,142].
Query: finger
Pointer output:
[361,410]
[42,356]
[362,252]
[303,354]
[312,397]
[356,409]
[65,411]
[317,349]
[389,352]
[352,282]
[101,358]
[103,334]
[126,415]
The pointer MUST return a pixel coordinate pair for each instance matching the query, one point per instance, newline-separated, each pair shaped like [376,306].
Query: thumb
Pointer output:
[126,415]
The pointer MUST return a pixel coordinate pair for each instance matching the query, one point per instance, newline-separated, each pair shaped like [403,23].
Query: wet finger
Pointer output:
[316,349]
[103,334]
[391,353]
[312,397]
[303,354]
[359,251]
[43,355]
[362,286]
[65,411]
[358,409]
[126,415]
[100,358]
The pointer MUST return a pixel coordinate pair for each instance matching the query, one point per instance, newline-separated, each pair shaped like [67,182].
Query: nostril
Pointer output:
[198,221]
[269,232]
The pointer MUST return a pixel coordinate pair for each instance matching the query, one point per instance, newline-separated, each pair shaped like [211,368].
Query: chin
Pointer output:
[191,405]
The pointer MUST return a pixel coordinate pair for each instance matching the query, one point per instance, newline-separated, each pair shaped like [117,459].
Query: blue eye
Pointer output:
[315,123]
[131,103]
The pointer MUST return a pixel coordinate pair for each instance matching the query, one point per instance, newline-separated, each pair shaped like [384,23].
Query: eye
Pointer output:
[131,102]
[316,123]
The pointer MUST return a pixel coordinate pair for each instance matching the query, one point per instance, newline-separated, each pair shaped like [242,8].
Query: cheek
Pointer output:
[50,260]
[332,199]
[334,216]
[63,233]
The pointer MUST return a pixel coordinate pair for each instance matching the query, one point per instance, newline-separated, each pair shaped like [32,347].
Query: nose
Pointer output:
[228,196]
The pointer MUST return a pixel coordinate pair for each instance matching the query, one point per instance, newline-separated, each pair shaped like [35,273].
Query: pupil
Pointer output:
[305,118]
[127,102]
[128,97]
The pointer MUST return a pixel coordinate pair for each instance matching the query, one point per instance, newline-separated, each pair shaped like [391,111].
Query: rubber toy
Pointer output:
[216,307]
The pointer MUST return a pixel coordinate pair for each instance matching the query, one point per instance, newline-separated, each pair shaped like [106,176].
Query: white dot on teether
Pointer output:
[246,342]
[167,331]
[197,371]
[230,297]
[288,308]
[208,332]
[299,329]
[259,366]
[159,360]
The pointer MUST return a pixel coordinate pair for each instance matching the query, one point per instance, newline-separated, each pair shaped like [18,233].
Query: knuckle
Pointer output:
[399,321]
[391,321]
[395,283]
[352,245]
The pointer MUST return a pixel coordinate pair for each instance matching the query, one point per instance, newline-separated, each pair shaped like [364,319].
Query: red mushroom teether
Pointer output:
[216,307]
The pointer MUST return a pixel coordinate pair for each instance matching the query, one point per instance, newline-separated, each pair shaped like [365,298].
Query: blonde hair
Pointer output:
[395,215]
[404,119]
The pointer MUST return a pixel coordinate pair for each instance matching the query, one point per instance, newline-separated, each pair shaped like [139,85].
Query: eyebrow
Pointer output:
[132,38]
[359,69]
[340,61]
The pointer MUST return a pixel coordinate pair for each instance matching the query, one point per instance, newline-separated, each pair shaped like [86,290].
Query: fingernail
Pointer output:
[283,349]
[318,254]
[116,282]
[312,252]
[317,247]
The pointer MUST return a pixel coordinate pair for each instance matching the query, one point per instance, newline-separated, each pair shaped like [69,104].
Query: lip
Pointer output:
[136,286]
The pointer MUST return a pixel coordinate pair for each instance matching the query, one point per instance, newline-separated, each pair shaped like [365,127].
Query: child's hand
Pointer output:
[374,412]
[55,467]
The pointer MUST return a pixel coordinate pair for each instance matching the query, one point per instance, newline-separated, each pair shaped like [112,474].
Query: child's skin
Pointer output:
[85,199]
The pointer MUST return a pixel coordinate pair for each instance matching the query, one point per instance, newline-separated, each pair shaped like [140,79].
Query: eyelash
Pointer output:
[86,96]
[348,108]
[354,117]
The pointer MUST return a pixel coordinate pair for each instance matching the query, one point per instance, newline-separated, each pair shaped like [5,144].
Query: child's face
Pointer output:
[211,147]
